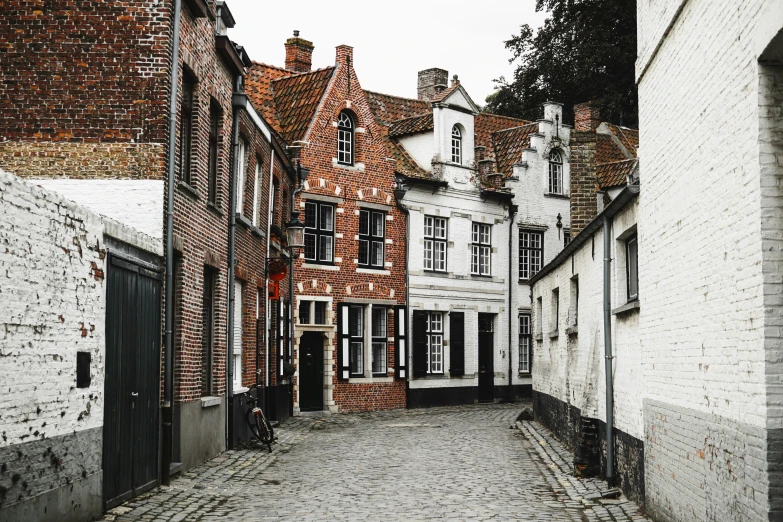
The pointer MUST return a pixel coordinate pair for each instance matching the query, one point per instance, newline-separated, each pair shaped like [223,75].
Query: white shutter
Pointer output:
[237,333]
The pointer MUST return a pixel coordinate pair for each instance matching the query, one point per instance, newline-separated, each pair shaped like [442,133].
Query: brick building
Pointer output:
[350,293]
[87,118]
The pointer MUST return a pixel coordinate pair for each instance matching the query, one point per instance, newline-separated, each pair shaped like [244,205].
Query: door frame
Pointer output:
[486,391]
[323,338]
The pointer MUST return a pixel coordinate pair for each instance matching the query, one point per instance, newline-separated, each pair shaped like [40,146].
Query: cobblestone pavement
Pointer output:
[462,463]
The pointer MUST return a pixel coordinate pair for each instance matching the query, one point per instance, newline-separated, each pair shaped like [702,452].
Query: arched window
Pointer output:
[345,139]
[456,145]
[555,172]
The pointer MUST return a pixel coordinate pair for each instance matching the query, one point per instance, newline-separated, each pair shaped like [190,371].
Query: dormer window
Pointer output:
[345,139]
[456,145]
[555,172]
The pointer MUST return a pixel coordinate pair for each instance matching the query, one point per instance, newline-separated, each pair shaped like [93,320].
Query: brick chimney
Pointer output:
[584,205]
[298,54]
[431,82]
[344,55]
[587,117]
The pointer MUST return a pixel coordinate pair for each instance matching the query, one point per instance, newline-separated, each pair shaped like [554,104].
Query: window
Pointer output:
[256,189]
[379,340]
[566,237]
[539,316]
[531,253]
[274,197]
[573,312]
[435,234]
[632,267]
[208,334]
[241,168]
[356,334]
[372,226]
[525,344]
[237,355]
[434,342]
[186,128]
[481,249]
[319,232]
[312,312]
[555,310]
[456,145]
[345,139]
[555,172]
[214,125]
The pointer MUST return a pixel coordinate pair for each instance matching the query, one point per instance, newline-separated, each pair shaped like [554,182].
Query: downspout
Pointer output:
[512,211]
[291,256]
[168,341]
[407,213]
[232,223]
[266,274]
[608,353]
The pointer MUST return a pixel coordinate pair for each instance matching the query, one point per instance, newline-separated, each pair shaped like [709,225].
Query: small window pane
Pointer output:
[428,226]
[309,246]
[377,254]
[379,322]
[364,223]
[355,321]
[304,312]
[325,248]
[377,224]
[310,215]
[327,218]
[364,252]
[320,312]
[379,358]
[357,362]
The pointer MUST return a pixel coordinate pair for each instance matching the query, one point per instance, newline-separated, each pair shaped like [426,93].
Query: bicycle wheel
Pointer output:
[255,426]
[267,433]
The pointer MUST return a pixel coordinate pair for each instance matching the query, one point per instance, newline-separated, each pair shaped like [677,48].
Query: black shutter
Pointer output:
[400,342]
[457,343]
[419,343]
[343,343]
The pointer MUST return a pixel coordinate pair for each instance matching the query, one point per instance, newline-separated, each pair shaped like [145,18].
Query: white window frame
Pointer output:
[632,269]
[373,239]
[380,339]
[239,288]
[456,145]
[256,188]
[525,343]
[481,250]
[345,139]
[435,243]
[356,339]
[435,342]
[315,228]
[531,253]
[556,172]
[241,167]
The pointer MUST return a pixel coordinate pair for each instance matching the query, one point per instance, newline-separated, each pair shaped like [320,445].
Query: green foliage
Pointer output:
[585,51]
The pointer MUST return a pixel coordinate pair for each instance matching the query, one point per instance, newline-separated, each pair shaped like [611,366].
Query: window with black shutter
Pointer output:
[372,228]
[457,344]
[420,365]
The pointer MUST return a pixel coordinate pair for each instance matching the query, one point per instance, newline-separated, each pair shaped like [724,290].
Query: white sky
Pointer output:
[392,40]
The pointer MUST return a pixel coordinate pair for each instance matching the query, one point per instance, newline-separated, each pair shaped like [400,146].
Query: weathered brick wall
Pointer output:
[708,252]
[584,205]
[53,258]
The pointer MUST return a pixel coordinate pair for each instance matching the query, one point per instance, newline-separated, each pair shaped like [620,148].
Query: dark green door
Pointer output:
[311,372]
[486,356]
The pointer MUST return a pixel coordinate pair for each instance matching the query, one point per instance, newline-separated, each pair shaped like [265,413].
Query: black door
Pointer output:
[311,372]
[130,430]
[486,344]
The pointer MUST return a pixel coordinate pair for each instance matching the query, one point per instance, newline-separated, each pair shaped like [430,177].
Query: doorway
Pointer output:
[311,371]
[486,356]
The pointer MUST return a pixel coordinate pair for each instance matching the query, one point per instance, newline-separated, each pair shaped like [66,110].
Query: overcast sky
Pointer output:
[392,41]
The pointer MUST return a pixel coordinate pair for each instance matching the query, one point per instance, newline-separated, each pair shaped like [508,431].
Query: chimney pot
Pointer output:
[296,33]
[298,54]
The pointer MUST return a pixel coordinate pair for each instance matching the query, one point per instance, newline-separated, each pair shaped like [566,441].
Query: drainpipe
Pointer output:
[168,341]
[608,353]
[407,213]
[512,211]
[266,274]
[291,256]
[232,224]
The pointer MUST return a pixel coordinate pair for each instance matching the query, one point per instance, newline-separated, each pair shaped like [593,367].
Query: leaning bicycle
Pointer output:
[257,421]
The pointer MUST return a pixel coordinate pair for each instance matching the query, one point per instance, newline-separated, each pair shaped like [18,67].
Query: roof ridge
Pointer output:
[394,96]
[322,69]
[270,66]
[616,161]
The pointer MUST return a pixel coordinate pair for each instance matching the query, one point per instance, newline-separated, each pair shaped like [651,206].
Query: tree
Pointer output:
[585,51]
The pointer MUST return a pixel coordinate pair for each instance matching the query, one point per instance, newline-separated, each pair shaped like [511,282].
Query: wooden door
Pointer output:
[311,372]
[486,359]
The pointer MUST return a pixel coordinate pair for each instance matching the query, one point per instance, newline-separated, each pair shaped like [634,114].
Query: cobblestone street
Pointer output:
[466,463]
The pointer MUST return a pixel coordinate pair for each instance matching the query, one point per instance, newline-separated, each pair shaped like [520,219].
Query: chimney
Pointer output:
[587,117]
[583,202]
[431,82]
[298,54]
[344,55]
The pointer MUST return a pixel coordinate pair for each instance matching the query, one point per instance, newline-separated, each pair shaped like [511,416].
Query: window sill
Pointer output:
[238,390]
[437,273]
[370,380]
[318,266]
[257,232]
[188,189]
[211,206]
[377,271]
[526,374]
[554,334]
[309,327]
[209,402]
[627,308]
[481,276]
[572,330]
[242,220]
[556,196]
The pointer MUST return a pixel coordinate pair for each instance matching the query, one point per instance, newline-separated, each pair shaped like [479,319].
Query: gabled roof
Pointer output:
[485,125]
[508,145]
[412,125]
[614,174]
[388,108]
[287,100]
[447,93]
[606,150]
[628,137]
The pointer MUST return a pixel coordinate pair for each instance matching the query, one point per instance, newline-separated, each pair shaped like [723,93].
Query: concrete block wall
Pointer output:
[708,258]
[53,260]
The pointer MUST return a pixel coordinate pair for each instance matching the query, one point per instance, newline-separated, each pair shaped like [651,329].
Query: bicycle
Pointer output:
[257,421]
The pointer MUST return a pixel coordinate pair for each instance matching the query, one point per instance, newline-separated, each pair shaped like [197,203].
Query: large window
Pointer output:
[531,253]
[214,126]
[241,168]
[379,340]
[186,128]
[632,267]
[356,334]
[208,333]
[435,236]
[434,342]
[456,145]
[481,249]
[372,226]
[525,344]
[312,312]
[319,232]
[555,172]
[345,140]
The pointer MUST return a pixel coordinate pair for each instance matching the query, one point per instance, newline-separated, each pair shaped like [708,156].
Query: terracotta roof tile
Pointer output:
[508,145]
[296,98]
[444,94]
[628,137]
[486,124]
[258,86]
[606,150]
[614,174]
[412,125]
[388,109]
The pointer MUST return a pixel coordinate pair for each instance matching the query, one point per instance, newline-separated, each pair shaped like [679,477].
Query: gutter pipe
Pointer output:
[608,352]
[266,276]
[512,211]
[168,341]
